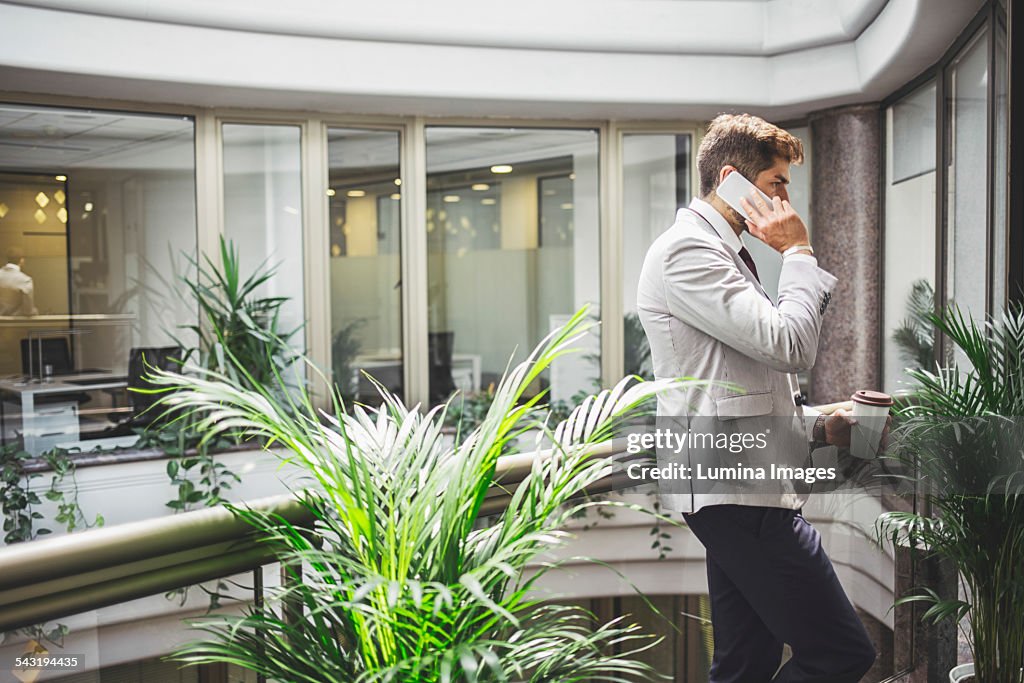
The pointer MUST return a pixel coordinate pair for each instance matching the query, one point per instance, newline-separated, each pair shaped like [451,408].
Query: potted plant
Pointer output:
[962,431]
[398,579]
[237,320]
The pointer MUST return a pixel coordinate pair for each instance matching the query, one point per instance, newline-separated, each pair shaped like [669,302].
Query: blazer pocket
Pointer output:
[744,405]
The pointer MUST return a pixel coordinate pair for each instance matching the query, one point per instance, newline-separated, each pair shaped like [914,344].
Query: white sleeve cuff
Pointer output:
[802,257]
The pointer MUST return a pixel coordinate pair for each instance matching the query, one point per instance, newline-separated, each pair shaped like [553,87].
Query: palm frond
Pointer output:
[396,580]
[963,433]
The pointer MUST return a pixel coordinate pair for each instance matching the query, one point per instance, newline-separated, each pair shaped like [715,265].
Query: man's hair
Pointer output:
[15,254]
[747,142]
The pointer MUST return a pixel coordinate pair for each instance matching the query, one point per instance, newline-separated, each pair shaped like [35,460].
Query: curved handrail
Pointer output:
[64,575]
[55,577]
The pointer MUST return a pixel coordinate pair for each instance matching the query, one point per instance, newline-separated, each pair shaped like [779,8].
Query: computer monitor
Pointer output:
[52,351]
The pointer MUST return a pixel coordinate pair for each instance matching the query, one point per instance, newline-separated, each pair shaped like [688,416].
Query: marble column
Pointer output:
[846,234]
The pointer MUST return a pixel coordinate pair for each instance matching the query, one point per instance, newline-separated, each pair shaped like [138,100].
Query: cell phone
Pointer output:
[735,186]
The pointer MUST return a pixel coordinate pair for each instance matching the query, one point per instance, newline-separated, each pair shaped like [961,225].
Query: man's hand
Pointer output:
[838,427]
[778,225]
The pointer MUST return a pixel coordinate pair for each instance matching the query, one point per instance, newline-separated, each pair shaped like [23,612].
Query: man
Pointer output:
[15,286]
[706,316]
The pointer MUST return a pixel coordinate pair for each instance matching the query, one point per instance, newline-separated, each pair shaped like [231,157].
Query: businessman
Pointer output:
[16,290]
[707,316]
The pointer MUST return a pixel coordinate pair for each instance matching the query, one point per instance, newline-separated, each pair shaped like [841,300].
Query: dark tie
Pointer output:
[745,255]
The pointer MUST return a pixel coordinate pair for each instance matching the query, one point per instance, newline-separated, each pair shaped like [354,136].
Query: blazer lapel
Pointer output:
[703,222]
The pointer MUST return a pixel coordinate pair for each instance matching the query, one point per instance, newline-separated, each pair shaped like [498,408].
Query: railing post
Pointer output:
[257,599]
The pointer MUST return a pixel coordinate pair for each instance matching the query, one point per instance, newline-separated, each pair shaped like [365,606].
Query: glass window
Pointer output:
[966,177]
[909,235]
[913,134]
[655,183]
[512,221]
[365,194]
[97,216]
[263,212]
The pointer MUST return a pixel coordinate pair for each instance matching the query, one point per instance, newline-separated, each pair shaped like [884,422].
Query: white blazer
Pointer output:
[706,317]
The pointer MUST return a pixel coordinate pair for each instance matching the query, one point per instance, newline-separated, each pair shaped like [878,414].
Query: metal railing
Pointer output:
[56,577]
[61,576]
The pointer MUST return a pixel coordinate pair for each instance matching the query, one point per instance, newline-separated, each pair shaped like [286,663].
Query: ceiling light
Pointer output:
[292,210]
[489,201]
[331,192]
[567,206]
[452,198]
[572,176]
[88,206]
[396,196]
[480,187]
[60,178]
[501,168]
[356,193]
[398,181]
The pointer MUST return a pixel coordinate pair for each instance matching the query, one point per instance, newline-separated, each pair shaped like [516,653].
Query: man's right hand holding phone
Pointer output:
[778,225]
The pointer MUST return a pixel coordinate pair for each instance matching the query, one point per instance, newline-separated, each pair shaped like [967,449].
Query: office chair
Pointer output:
[141,360]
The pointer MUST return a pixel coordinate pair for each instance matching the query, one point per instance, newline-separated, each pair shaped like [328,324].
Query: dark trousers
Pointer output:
[771,583]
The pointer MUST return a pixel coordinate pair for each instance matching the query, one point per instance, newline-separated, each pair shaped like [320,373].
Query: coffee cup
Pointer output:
[870,409]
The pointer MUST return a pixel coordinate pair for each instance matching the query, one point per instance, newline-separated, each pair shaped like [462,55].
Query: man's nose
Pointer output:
[782,193]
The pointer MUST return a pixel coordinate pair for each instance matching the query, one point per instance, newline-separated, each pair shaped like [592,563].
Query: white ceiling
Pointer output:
[579,59]
[54,140]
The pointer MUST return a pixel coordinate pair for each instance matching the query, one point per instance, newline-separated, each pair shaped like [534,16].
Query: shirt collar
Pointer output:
[718,222]
[13,266]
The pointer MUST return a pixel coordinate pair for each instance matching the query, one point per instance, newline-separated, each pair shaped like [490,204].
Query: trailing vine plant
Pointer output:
[21,519]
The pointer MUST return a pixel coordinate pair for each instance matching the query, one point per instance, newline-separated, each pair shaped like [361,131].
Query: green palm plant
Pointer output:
[399,579]
[962,431]
[236,321]
[915,336]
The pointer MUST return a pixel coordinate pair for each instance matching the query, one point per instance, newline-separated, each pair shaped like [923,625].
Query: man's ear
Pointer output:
[724,171]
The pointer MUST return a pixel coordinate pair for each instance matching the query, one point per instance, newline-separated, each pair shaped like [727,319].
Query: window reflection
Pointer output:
[909,235]
[263,213]
[512,235]
[365,199]
[966,177]
[655,183]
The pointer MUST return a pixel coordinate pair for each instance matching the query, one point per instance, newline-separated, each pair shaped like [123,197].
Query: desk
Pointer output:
[465,368]
[42,428]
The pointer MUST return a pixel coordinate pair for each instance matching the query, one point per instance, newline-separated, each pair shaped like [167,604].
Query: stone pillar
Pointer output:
[847,167]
